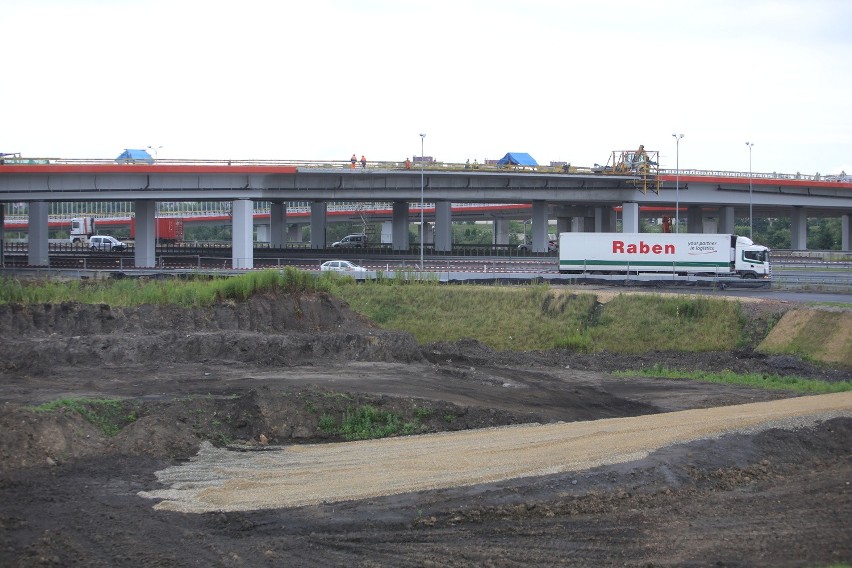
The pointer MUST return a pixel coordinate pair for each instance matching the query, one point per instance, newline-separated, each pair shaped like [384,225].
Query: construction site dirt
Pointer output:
[204,391]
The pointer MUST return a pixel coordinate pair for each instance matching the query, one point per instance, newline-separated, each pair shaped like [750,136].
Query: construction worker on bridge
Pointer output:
[363,162]
[407,163]
[354,161]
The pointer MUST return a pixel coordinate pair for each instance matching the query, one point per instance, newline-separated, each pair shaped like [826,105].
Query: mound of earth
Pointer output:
[280,370]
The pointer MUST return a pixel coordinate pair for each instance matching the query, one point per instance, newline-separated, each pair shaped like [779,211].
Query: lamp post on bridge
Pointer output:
[677,138]
[422,226]
[750,218]
[154,149]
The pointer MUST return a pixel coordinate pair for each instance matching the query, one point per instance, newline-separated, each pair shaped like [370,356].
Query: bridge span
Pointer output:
[579,199]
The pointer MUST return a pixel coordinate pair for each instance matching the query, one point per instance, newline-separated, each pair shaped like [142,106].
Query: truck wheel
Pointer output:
[749,276]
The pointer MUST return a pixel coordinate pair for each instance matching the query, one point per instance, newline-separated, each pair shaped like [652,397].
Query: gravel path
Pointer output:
[290,476]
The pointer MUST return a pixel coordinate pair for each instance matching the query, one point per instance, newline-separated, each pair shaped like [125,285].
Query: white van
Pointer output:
[106,243]
[351,241]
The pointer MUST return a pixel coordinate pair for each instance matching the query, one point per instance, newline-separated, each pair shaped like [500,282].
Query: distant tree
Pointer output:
[824,234]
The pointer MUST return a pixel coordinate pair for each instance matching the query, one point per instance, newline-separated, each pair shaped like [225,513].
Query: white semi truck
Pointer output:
[82,229]
[679,254]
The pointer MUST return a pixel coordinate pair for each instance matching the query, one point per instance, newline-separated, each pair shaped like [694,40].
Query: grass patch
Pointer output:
[367,422]
[758,380]
[191,291]
[109,415]
[521,318]
[504,318]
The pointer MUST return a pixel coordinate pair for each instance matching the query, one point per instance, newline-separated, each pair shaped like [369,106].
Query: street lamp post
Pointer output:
[750,218]
[422,226]
[677,138]
[154,149]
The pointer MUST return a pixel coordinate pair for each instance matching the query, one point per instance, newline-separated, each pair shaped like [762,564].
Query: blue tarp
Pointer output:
[134,156]
[517,159]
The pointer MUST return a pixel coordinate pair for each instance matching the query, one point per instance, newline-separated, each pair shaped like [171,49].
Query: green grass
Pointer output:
[109,415]
[536,317]
[365,423]
[758,380]
[193,291]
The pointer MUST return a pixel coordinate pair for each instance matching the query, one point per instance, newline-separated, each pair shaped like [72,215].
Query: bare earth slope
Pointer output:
[69,494]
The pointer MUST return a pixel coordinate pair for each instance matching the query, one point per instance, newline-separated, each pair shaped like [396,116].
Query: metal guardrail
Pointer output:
[432,166]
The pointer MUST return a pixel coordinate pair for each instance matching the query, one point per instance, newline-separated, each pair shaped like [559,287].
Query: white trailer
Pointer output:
[82,229]
[679,254]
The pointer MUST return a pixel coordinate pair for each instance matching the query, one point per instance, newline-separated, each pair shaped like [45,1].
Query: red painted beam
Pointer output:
[142,169]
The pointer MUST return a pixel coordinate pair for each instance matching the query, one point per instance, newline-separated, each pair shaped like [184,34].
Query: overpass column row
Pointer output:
[318,213]
[798,229]
[242,245]
[277,224]
[399,226]
[2,233]
[846,231]
[145,247]
[630,217]
[539,226]
[38,252]
[443,226]
[726,220]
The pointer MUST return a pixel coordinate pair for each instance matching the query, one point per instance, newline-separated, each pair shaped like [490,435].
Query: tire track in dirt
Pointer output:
[291,476]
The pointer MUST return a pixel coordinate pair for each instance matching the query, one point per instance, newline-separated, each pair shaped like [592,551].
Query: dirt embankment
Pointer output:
[277,370]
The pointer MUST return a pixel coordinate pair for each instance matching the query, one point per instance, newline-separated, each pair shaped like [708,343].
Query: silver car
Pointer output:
[342,266]
[106,243]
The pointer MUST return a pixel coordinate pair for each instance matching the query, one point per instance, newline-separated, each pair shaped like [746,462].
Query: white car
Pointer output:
[106,243]
[343,266]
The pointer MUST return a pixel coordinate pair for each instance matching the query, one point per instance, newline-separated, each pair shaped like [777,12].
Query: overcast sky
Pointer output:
[568,80]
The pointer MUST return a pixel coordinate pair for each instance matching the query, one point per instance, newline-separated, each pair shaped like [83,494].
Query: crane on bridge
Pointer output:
[642,164]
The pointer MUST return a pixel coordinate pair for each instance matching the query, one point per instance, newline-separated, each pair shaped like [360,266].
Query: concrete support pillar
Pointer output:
[630,217]
[443,226]
[540,226]
[2,234]
[277,225]
[799,229]
[605,220]
[694,219]
[242,244]
[39,254]
[401,238]
[294,233]
[501,232]
[427,234]
[387,233]
[578,224]
[845,231]
[262,233]
[318,213]
[563,225]
[726,220]
[145,239]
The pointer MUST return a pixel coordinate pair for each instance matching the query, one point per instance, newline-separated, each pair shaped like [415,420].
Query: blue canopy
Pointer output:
[517,159]
[134,156]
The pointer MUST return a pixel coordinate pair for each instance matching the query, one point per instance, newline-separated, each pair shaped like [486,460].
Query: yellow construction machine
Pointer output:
[641,164]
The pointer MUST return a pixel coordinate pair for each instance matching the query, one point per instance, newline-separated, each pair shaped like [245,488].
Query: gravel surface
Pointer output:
[223,480]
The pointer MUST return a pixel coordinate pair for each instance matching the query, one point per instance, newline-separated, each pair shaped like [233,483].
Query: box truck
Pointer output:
[680,254]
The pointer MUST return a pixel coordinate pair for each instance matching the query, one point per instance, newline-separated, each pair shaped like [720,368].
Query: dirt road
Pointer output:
[294,476]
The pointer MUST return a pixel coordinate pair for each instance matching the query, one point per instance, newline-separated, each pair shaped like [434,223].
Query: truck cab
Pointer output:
[751,260]
[82,229]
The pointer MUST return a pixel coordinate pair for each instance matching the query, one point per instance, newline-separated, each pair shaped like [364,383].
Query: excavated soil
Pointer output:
[263,375]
